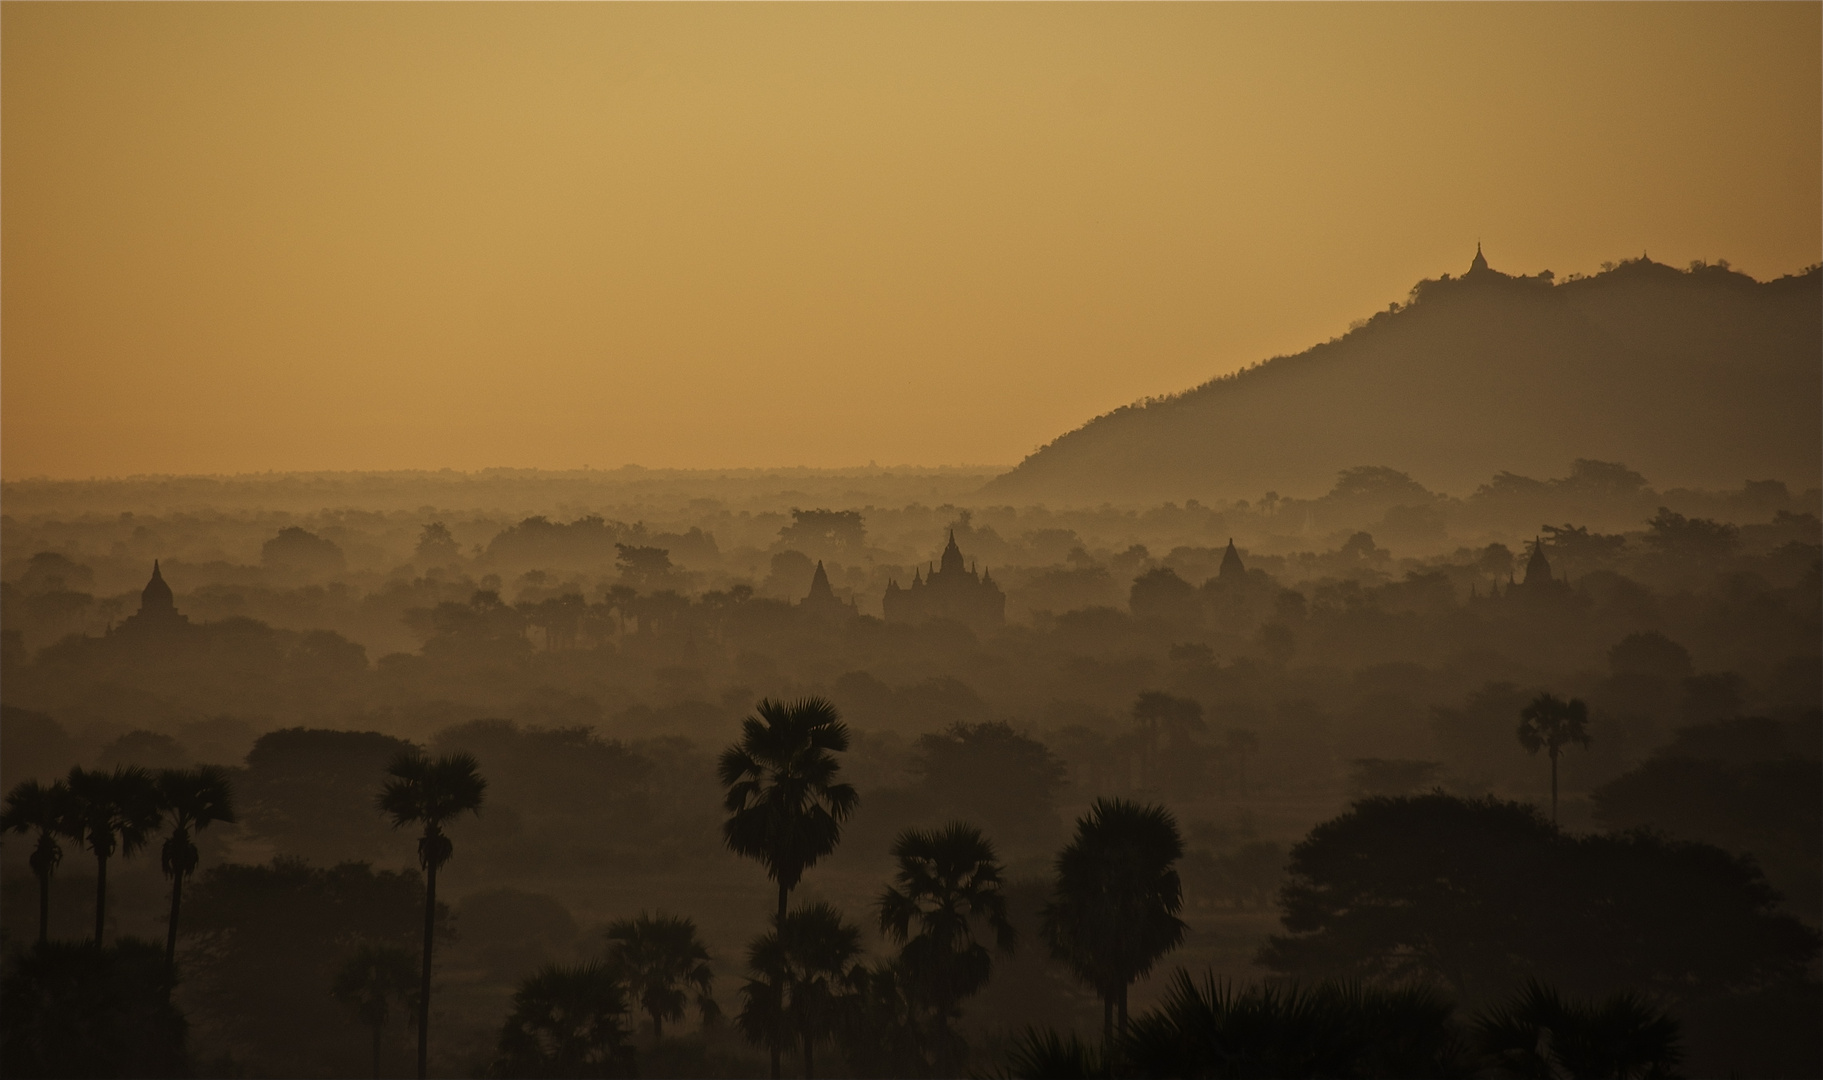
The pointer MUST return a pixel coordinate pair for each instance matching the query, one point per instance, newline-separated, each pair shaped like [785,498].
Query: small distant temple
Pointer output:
[157,608]
[1232,570]
[1538,580]
[951,590]
[822,600]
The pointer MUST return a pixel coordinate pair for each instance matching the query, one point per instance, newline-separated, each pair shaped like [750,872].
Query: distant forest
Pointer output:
[1596,700]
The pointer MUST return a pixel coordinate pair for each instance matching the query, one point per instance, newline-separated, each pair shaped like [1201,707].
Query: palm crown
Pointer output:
[947,884]
[115,812]
[195,799]
[1114,912]
[1549,723]
[784,805]
[430,791]
[50,811]
[661,959]
[799,967]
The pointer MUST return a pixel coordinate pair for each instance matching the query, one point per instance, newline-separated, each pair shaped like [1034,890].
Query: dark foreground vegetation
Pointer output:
[1473,801]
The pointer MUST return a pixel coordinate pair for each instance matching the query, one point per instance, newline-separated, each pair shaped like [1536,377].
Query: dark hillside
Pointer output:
[1700,377]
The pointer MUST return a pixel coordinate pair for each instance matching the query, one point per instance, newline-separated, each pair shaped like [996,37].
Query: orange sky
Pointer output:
[241,237]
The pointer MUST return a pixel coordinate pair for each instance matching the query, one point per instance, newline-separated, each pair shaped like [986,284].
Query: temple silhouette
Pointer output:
[1539,582]
[822,601]
[157,609]
[951,590]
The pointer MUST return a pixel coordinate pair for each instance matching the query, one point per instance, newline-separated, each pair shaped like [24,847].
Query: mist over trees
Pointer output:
[1414,762]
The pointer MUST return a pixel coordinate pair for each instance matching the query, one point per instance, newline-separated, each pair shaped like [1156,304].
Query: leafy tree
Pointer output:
[566,1022]
[85,1009]
[1550,723]
[194,799]
[50,812]
[661,960]
[799,971]
[1540,1034]
[308,790]
[991,773]
[370,981]
[116,811]
[1481,894]
[437,545]
[243,923]
[430,792]
[1113,912]
[945,898]
[784,807]
[1691,538]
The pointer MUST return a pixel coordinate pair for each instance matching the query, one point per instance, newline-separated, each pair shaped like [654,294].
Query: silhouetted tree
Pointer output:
[1113,912]
[370,982]
[116,811]
[244,923]
[1213,1029]
[946,897]
[566,1022]
[430,792]
[882,1031]
[661,960]
[50,812]
[993,774]
[1550,723]
[194,799]
[1483,893]
[799,970]
[784,806]
[87,1010]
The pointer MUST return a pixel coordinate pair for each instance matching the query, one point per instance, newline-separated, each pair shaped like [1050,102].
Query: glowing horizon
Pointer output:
[249,238]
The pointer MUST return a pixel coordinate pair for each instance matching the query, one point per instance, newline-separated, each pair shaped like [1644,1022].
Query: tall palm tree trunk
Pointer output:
[44,907]
[430,923]
[177,899]
[1553,785]
[1120,1035]
[1107,1027]
[778,1043]
[101,896]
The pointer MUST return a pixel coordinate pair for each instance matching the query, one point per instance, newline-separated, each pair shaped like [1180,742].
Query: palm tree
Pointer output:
[115,811]
[1114,909]
[370,981]
[566,1023]
[430,792]
[1552,723]
[948,887]
[784,806]
[51,812]
[1539,1033]
[799,967]
[661,959]
[195,799]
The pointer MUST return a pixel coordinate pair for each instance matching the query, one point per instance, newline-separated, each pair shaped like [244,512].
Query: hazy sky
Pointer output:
[241,237]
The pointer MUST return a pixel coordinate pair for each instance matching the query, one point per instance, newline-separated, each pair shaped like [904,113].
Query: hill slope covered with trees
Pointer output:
[1699,377]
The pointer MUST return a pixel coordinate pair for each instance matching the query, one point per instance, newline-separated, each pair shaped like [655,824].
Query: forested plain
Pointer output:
[1323,745]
